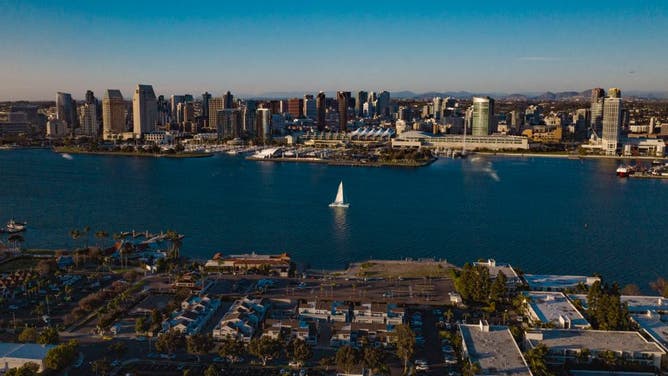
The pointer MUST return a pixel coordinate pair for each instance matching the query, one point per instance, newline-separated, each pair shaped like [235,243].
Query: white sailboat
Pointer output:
[338,201]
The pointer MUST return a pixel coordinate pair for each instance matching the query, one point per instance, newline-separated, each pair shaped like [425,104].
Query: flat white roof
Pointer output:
[495,350]
[655,327]
[549,306]
[496,267]
[553,281]
[636,303]
[595,340]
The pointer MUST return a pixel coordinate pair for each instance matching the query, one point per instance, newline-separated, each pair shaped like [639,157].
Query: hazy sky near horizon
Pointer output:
[269,46]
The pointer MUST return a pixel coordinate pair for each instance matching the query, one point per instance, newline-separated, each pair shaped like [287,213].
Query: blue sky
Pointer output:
[252,47]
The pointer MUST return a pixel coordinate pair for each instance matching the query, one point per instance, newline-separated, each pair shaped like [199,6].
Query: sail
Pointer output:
[339,194]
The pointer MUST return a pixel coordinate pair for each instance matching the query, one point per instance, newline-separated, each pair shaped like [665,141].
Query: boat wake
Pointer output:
[67,156]
[482,165]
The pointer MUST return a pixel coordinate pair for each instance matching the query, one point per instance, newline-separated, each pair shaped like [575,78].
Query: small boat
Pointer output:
[339,201]
[14,226]
[625,171]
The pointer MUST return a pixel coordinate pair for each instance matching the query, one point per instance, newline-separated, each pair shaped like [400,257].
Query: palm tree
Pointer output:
[86,230]
[100,235]
[175,240]
[75,234]
[15,239]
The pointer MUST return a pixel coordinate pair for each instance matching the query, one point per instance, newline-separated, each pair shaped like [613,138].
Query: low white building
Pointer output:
[555,309]
[494,349]
[14,355]
[242,320]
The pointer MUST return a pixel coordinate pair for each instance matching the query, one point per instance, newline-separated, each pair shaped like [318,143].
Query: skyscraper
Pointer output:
[113,112]
[144,109]
[597,98]
[296,108]
[310,108]
[264,124]
[88,120]
[438,107]
[229,123]
[342,97]
[215,105]
[322,110]
[90,97]
[228,100]
[205,107]
[362,97]
[174,101]
[250,118]
[612,121]
[383,106]
[482,116]
[66,109]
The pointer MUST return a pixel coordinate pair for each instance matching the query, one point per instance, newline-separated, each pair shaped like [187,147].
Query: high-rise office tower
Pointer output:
[113,112]
[612,121]
[264,124]
[215,105]
[383,106]
[322,110]
[88,120]
[90,97]
[205,107]
[597,99]
[362,97]
[482,116]
[229,123]
[228,100]
[343,97]
[296,108]
[310,108]
[164,111]
[66,109]
[175,115]
[144,109]
[250,118]
[438,108]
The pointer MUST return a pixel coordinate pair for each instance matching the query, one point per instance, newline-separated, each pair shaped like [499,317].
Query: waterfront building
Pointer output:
[551,282]
[264,124]
[164,113]
[612,121]
[228,100]
[321,106]
[553,308]
[66,109]
[57,128]
[229,123]
[296,108]
[565,345]
[175,110]
[418,139]
[655,325]
[88,120]
[279,264]
[343,97]
[250,118]
[144,110]
[362,97]
[494,349]
[437,108]
[310,107]
[215,105]
[113,112]
[482,116]
[494,268]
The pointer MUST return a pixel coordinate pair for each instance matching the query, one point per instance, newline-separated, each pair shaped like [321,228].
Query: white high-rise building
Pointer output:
[144,110]
[438,108]
[88,120]
[612,121]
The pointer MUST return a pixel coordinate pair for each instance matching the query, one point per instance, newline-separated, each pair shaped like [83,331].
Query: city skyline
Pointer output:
[253,49]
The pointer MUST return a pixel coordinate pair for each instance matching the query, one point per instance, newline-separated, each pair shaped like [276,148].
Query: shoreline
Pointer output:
[342,162]
[567,156]
[62,150]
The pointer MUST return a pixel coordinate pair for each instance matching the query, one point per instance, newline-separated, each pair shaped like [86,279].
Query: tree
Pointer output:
[199,344]
[299,351]
[101,367]
[605,310]
[346,358]
[28,334]
[75,234]
[48,336]
[211,371]
[660,286]
[117,348]
[498,290]
[326,361]
[101,235]
[60,356]
[631,289]
[45,267]
[372,358]
[405,343]
[535,358]
[170,341]
[28,369]
[265,348]
[470,368]
[140,325]
[230,348]
[15,239]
